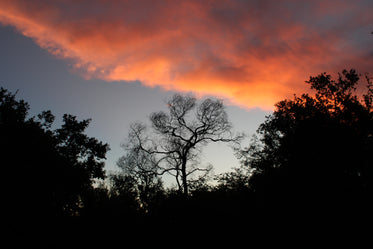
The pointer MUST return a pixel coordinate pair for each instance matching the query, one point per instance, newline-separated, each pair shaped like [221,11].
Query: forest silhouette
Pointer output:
[310,160]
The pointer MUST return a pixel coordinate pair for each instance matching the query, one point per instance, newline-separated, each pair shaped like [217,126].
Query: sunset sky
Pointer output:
[117,61]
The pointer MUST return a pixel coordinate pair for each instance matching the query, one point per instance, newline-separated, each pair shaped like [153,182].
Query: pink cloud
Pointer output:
[253,53]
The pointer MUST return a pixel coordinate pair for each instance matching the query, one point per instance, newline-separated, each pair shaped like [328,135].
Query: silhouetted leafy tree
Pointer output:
[236,180]
[315,151]
[82,154]
[123,195]
[47,172]
[179,139]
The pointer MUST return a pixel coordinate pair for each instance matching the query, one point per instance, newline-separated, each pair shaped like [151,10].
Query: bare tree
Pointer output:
[179,138]
[140,167]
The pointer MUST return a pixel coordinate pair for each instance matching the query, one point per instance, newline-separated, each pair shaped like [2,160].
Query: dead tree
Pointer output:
[180,135]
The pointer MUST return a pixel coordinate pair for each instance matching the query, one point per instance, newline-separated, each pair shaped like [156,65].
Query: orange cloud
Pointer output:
[253,53]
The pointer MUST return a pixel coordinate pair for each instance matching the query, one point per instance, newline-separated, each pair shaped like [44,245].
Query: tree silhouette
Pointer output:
[314,151]
[179,138]
[83,155]
[140,168]
[49,173]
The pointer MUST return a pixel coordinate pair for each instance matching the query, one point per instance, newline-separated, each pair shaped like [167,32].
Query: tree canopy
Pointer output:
[49,172]
[314,150]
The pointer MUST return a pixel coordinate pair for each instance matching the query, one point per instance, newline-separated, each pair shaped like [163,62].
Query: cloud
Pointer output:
[253,53]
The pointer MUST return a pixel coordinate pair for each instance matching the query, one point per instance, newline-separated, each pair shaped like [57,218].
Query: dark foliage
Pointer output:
[314,156]
[309,164]
[48,172]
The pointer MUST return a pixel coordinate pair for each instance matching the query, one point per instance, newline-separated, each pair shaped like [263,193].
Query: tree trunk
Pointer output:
[184,177]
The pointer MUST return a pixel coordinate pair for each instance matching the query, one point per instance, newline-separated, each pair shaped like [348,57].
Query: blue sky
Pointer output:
[48,83]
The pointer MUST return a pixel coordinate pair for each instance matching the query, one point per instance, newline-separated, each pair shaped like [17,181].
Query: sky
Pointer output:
[118,61]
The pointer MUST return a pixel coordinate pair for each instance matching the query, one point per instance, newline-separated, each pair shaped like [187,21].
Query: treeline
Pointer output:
[310,159]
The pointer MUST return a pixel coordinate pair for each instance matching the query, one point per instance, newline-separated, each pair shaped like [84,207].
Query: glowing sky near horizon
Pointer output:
[252,53]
